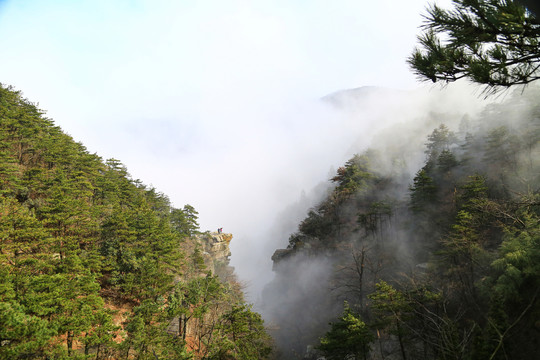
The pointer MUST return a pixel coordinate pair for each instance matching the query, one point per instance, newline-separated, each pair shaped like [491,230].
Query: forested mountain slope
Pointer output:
[443,263]
[94,264]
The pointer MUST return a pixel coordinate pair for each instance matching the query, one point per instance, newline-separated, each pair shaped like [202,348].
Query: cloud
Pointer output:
[215,103]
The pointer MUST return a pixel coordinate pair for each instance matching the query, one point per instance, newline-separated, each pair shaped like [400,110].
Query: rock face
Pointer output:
[280,255]
[216,252]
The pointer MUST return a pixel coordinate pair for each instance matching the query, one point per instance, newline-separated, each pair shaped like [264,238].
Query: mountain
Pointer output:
[430,261]
[426,246]
[96,265]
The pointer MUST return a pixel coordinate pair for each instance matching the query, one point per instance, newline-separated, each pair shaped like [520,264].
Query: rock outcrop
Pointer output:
[216,252]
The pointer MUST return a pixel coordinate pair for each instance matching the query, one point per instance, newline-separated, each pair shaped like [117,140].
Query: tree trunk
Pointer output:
[380,344]
[400,339]
[86,347]
[359,263]
[69,342]
[127,352]
[180,324]
[184,330]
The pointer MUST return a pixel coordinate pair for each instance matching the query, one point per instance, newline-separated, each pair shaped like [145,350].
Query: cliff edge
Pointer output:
[216,252]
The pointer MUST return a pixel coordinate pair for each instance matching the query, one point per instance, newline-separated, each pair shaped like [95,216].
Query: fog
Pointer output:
[393,122]
[219,104]
[311,281]
[244,110]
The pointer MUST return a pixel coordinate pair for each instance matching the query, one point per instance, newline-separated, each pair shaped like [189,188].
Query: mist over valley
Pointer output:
[228,180]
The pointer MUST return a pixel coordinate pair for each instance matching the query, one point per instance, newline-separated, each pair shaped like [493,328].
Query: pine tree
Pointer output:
[491,42]
[242,336]
[392,310]
[349,336]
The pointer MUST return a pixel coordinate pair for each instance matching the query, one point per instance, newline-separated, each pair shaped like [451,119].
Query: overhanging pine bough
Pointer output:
[491,42]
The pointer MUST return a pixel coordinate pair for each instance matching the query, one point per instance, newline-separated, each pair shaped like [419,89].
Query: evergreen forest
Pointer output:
[96,265]
[404,257]
[443,263]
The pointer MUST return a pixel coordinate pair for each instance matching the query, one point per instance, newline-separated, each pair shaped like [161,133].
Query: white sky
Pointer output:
[212,102]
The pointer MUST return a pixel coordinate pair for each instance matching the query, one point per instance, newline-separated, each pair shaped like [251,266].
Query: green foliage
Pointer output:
[184,220]
[316,224]
[393,310]
[462,255]
[147,337]
[446,161]
[349,336]
[423,191]
[491,42]
[197,260]
[354,180]
[468,232]
[518,265]
[79,236]
[474,193]
[439,142]
[22,335]
[353,177]
[390,304]
[241,335]
[372,219]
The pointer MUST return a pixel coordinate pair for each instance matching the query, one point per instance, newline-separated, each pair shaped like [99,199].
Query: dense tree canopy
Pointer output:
[349,336]
[89,256]
[437,261]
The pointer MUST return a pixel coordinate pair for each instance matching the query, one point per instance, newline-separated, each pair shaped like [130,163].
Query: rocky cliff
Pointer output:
[216,252]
